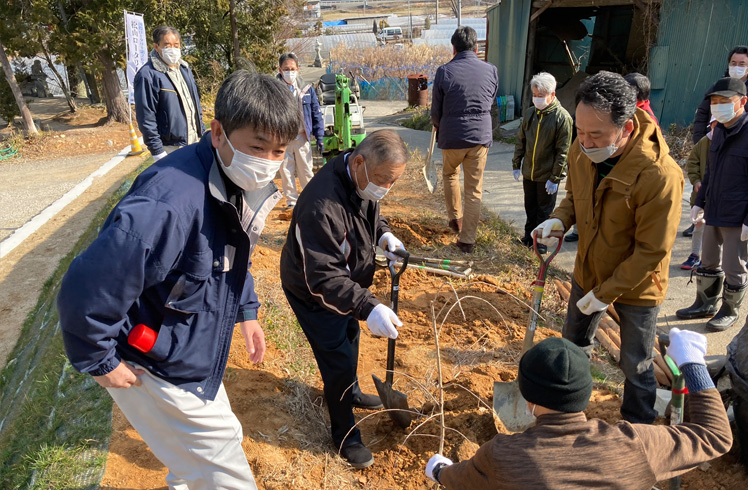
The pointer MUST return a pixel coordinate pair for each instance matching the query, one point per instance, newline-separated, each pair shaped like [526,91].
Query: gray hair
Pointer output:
[544,83]
[160,31]
[259,101]
[383,146]
[608,92]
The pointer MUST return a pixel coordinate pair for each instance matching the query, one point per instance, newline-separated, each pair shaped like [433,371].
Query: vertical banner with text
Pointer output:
[137,48]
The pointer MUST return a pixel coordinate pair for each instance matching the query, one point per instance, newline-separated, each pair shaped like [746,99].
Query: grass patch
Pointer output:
[420,120]
[55,424]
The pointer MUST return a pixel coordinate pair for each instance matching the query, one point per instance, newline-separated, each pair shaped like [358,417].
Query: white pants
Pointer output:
[298,161]
[199,441]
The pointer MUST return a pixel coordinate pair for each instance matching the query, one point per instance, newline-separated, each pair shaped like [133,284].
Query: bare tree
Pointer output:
[28,120]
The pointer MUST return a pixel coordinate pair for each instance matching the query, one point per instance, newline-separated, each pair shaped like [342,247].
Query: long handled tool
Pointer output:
[508,402]
[394,401]
[429,169]
[678,391]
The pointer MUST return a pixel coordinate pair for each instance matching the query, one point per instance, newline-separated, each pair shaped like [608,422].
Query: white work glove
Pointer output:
[744,233]
[589,304]
[389,243]
[697,214]
[382,320]
[435,460]
[516,174]
[159,156]
[544,229]
[551,188]
[686,347]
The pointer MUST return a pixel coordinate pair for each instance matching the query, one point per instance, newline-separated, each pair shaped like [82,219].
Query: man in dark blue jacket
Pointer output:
[149,308]
[722,201]
[167,103]
[464,90]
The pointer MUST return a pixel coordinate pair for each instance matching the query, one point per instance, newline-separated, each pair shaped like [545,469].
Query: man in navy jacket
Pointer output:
[167,103]
[464,91]
[149,308]
[722,201]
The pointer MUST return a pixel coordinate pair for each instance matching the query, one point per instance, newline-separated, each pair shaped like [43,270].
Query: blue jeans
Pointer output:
[638,331]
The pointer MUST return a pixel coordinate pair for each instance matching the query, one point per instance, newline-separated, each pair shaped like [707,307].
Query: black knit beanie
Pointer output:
[556,374]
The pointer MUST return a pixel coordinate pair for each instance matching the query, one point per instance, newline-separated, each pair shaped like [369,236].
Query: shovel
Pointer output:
[429,170]
[393,400]
[508,402]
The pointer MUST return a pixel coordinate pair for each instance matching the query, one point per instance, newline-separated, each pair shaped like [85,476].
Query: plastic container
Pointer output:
[142,338]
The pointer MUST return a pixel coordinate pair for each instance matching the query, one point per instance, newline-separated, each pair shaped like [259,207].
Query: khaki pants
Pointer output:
[722,248]
[473,161]
[199,441]
[298,161]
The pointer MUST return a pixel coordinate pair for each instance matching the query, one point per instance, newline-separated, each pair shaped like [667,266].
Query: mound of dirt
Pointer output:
[480,329]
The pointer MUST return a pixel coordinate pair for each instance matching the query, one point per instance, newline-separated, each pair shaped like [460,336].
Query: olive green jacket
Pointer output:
[696,163]
[543,142]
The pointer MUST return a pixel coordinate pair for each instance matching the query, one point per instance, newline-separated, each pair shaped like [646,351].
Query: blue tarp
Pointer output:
[333,23]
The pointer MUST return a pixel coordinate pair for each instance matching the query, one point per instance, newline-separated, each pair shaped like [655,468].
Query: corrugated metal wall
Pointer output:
[507,45]
[693,41]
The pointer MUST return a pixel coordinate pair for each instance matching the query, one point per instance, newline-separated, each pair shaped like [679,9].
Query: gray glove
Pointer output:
[686,347]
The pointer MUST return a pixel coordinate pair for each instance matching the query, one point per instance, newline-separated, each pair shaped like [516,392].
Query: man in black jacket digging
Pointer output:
[327,264]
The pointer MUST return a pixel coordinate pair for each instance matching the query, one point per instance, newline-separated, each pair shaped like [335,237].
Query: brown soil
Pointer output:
[280,401]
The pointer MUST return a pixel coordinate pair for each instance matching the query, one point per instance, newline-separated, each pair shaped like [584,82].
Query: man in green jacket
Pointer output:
[543,143]
[564,450]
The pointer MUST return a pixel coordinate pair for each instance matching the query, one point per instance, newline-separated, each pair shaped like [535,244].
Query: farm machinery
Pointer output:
[342,113]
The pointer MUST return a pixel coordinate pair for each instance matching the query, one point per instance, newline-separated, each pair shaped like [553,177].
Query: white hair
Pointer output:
[544,83]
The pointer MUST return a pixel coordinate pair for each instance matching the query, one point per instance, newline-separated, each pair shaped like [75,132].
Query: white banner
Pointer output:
[137,48]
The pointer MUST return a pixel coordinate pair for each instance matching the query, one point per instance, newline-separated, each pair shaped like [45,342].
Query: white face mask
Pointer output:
[290,76]
[737,71]
[540,103]
[171,55]
[248,172]
[723,113]
[598,155]
[371,192]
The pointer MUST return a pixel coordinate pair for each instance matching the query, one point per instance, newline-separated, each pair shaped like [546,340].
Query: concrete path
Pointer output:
[504,196]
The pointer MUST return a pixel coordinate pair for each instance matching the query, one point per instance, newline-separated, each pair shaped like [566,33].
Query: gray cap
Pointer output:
[727,87]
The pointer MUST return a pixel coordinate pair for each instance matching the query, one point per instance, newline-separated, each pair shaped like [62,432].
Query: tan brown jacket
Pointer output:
[567,451]
[627,224]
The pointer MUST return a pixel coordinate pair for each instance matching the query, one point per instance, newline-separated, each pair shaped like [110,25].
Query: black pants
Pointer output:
[538,205]
[334,341]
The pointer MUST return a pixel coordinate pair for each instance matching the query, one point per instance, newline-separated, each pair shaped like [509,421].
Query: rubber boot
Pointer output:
[708,289]
[728,313]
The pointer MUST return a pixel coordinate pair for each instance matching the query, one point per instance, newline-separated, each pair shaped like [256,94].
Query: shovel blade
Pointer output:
[394,401]
[510,406]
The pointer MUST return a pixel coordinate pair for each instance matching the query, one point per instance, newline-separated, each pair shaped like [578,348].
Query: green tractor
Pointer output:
[342,113]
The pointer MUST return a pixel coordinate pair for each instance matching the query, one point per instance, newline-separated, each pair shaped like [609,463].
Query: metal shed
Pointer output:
[569,38]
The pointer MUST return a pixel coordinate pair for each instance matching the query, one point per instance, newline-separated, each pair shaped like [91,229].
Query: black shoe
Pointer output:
[466,248]
[357,455]
[542,249]
[688,232]
[525,242]
[572,237]
[368,402]
[455,225]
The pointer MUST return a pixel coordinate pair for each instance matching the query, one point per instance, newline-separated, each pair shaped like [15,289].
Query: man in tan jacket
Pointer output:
[624,193]
[564,450]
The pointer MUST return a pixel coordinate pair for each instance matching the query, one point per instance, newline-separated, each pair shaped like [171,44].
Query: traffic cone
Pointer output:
[135,148]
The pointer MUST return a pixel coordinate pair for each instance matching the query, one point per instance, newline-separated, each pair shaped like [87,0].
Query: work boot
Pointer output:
[455,225]
[357,455]
[708,289]
[368,402]
[728,313]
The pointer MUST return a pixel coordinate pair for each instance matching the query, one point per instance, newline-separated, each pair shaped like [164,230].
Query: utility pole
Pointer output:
[459,13]
[410,23]
[436,19]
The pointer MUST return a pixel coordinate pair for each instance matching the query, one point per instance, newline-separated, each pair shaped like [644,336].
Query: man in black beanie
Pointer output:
[564,450]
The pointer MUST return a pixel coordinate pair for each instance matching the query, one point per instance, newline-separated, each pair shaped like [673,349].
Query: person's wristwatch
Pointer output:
[437,471]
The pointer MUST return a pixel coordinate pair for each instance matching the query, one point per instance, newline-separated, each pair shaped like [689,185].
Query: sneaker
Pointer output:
[465,247]
[572,237]
[357,455]
[368,402]
[692,262]
[455,225]
[688,232]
